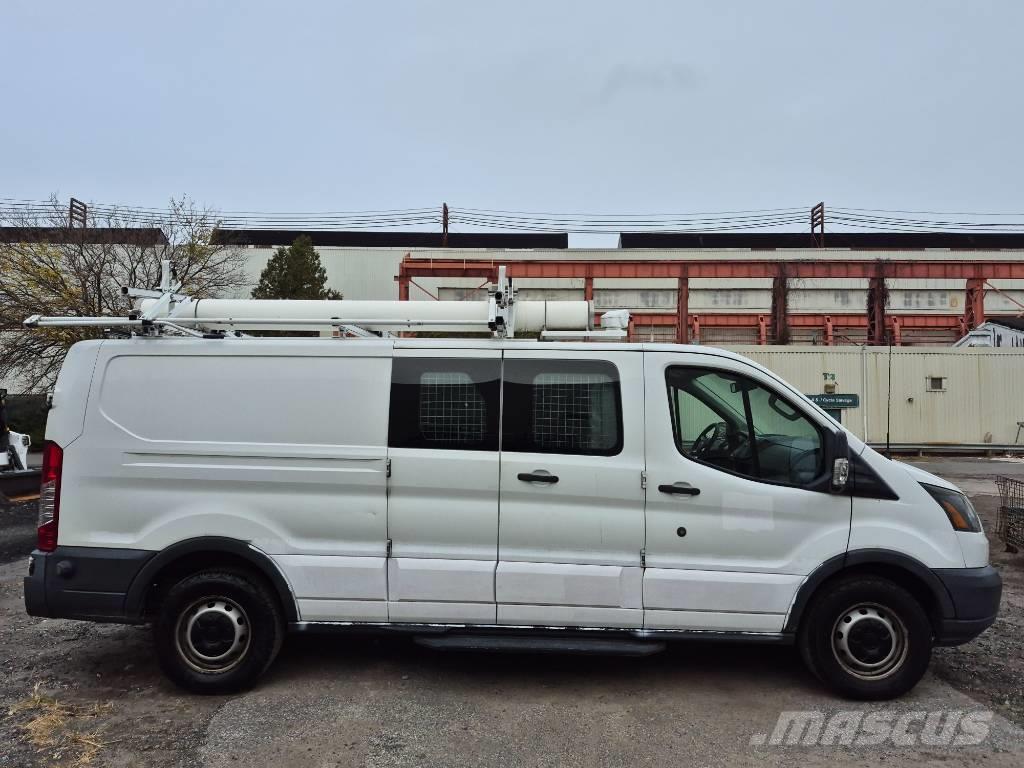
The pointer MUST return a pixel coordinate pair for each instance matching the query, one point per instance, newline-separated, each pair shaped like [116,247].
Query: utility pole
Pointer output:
[78,213]
[818,221]
[444,225]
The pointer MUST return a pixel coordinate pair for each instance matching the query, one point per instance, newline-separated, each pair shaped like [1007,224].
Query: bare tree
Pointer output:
[49,268]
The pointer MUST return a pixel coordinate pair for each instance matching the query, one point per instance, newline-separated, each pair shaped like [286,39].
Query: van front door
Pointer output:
[738,509]
[572,523]
[443,489]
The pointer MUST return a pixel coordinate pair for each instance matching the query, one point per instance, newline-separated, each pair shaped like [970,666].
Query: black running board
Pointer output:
[540,644]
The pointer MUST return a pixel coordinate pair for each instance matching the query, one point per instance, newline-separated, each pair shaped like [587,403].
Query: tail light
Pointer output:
[49,497]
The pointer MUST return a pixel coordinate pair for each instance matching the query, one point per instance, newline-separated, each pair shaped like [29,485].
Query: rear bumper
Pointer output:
[975,594]
[83,583]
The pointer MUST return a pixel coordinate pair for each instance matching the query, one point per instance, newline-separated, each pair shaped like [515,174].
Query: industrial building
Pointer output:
[909,289]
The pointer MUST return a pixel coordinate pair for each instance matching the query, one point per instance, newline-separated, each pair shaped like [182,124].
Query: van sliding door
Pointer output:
[572,505]
[443,489]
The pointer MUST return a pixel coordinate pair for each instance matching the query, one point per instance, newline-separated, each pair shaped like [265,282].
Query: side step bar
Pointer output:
[540,644]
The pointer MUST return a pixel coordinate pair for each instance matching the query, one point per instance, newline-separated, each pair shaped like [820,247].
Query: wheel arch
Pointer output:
[899,568]
[195,554]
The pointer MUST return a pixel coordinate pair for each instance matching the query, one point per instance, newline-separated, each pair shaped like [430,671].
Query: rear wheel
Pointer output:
[867,638]
[217,631]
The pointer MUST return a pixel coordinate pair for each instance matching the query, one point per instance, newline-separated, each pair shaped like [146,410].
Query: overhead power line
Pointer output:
[17,210]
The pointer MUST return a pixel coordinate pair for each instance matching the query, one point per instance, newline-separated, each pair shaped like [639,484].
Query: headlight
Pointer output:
[957,507]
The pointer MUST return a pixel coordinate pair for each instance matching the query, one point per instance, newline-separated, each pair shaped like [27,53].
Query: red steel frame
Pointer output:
[880,327]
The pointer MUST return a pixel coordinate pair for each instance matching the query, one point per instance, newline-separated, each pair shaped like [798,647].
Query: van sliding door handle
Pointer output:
[681,489]
[533,477]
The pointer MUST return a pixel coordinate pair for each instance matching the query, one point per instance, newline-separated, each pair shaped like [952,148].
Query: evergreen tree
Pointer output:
[295,272]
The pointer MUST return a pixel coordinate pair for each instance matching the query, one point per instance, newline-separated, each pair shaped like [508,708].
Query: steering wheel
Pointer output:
[706,439]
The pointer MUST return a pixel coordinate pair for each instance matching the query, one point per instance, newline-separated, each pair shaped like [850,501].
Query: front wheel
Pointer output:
[217,631]
[867,638]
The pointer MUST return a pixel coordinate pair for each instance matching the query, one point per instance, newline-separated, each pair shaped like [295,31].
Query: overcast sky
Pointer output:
[536,106]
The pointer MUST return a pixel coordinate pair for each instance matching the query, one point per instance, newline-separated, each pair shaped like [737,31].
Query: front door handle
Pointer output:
[536,477]
[680,489]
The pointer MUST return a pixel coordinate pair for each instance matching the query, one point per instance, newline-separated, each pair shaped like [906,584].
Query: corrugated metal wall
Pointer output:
[980,401]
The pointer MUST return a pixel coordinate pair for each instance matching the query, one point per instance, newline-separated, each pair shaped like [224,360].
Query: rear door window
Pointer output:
[562,406]
[444,403]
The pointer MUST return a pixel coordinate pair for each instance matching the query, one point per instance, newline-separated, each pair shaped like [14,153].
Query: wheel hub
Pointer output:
[869,641]
[212,635]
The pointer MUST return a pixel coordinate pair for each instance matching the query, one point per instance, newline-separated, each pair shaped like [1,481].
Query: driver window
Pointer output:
[714,414]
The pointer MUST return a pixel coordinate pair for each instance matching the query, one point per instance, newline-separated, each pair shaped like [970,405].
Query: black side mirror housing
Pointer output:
[840,463]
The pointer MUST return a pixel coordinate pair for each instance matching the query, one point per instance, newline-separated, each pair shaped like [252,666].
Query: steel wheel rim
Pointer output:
[212,635]
[869,641]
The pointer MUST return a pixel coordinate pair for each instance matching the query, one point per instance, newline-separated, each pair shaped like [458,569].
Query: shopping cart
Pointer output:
[1010,523]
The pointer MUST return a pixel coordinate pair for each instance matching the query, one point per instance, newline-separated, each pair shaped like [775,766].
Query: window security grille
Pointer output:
[451,408]
[573,412]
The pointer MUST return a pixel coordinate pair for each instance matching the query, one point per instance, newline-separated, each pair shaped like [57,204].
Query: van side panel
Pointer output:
[912,525]
[281,447]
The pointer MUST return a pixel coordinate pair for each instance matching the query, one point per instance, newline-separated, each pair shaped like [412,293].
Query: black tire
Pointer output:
[218,630]
[866,638]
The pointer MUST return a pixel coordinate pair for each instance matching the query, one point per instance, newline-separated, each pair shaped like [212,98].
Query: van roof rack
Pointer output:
[503,314]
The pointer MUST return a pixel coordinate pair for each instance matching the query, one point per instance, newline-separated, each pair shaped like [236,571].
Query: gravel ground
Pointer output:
[991,669]
[17,530]
[333,701]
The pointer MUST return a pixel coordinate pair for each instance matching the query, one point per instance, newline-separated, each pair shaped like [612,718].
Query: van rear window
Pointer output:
[562,406]
[444,403]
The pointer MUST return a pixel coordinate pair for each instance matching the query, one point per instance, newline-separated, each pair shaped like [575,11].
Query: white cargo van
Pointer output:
[488,493]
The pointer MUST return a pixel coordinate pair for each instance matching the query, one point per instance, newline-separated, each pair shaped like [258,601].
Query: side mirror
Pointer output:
[840,462]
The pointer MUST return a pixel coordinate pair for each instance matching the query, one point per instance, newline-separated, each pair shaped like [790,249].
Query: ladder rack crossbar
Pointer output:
[37,321]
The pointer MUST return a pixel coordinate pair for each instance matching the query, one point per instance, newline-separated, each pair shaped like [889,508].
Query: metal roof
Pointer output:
[393,239]
[145,236]
[854,240]
[1014,323]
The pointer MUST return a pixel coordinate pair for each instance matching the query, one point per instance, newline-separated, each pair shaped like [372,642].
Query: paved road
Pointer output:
[966,466]
[337,703]
[973,475]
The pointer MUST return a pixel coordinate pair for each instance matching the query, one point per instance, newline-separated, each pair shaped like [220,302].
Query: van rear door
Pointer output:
[443,489]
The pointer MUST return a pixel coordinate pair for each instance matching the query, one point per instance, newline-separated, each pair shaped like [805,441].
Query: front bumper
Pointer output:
[83,583]
[975,594]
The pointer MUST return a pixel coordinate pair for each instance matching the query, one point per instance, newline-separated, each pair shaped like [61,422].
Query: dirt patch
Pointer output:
[991,668]
[60,730]
[96,683]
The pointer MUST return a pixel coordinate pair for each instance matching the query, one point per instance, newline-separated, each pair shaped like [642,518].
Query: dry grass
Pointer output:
[57,729]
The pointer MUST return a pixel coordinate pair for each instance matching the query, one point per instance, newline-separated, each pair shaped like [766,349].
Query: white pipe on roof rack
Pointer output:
[530,316]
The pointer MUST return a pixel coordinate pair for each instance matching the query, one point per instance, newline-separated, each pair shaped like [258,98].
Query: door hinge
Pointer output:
[643,558]
[387,467]
[389,548]
[643,479]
